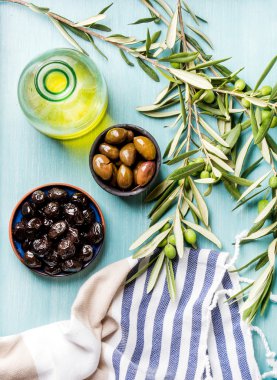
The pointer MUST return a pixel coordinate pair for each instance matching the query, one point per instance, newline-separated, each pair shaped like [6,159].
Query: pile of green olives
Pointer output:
[168,244]
[125,161]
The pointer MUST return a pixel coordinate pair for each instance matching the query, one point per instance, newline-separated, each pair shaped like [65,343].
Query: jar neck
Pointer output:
[55,81]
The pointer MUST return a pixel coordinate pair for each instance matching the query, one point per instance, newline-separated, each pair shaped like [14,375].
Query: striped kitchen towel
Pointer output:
[120,332]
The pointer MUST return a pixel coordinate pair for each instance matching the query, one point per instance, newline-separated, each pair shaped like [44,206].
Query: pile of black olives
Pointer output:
[125,161]
[57,231]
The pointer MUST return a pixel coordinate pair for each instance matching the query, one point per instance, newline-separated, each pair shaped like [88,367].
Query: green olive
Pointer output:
[176,65]
[145,172]
[102,166]
[124,177]
[108,150]
[163,243]
[145,147]
[274,122]
[273,182]
[130,136]
[266,115]
[245,103]
[204,174]
[262,204]
[209,168]
[209,97]
[199,160]
[166,227]
[190,236]
[116,136]
[266,90]
[240,85]
[170,251]
[114,176]
[171,239]
[128,154]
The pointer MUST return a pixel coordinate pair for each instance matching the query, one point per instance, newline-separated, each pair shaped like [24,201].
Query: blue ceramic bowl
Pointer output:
[17,217]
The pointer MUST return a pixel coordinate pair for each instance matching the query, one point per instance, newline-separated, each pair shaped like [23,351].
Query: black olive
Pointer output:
[41,246]
[57,194]
[80,199]
[52,210]
[33,227]
[38,197]
[73,235]
[71,266]
[52,271]
[70,210]
[51,259]
[66,249]
[57,229]
[78,219]
[19,231]
[26,244]
[31,260]
[96,233]
[47,222]
[86,253]
[27,210]
[89,216]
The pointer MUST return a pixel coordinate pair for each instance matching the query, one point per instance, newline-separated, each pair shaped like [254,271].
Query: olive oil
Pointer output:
[62,94]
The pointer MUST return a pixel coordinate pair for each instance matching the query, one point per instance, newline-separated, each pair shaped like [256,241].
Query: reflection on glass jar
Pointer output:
[62,93]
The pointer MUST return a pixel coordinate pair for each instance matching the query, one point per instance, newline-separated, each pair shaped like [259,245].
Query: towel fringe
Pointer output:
[238,239]
[270,355]
[219,293]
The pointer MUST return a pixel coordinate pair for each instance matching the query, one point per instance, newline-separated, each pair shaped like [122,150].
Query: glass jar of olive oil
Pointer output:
[62,93]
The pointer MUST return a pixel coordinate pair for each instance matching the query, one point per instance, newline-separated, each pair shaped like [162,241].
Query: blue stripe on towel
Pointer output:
[221,344]
[125,321]
[197,316]
[240,343]
[178,318]
[134,362]
[158,329]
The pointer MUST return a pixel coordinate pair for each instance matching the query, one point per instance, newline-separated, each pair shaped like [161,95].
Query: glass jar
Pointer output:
[62,93]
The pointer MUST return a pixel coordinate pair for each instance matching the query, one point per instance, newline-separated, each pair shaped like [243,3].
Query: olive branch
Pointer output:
[199,88]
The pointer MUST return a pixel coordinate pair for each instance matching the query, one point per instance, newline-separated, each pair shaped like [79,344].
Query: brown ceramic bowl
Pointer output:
[138,131]
[17,217]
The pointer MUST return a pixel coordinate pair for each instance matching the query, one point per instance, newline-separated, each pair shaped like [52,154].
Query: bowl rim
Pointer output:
[54,184]
[113,190]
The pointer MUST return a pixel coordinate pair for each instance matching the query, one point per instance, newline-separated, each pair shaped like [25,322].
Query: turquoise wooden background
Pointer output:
[246,30]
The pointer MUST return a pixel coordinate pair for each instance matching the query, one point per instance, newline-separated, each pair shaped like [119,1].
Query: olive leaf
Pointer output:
[149,248]
[185,171]
[161,210]
[265,72]
[248,198]
[180,58]
[67,36]
[141,270]
[102,27]
[213,149]
[161,198]
[252,167]
[213,133]
[200,202]
[208,64]
[165,6]
[201,35]
[123,55]
[193,16]
[176,140]
[241,156]
[144,20]
[161,115]
[256,101]
[181,157]
[148,233]
[264,129]
[221,163]
[96,47]
[178,233]
[148,43]
[266,211]
[148,70]
[238,180]
[105,9]
[272,250]
[193,208]
[90,20]
[254,185]
[172,30]
[158,190]
[261,233]
[207,234]
[191,78]
[231,188]
[170,279]
[37,9]
[155,272]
